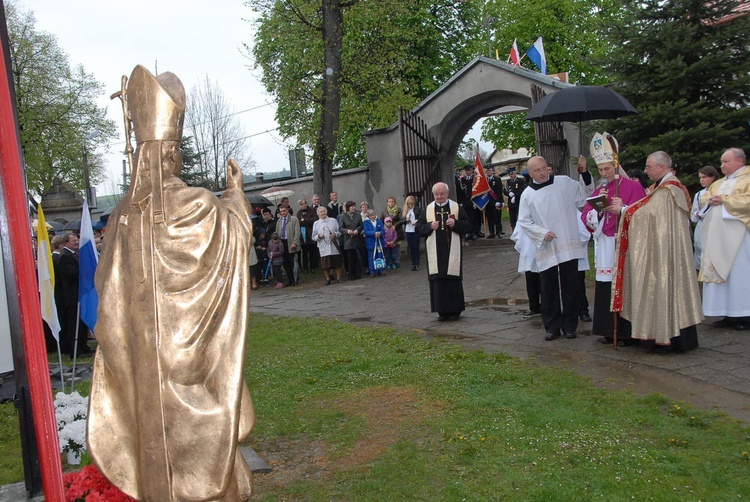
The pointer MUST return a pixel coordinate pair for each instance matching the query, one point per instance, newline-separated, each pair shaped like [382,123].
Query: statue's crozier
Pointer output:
[168,400]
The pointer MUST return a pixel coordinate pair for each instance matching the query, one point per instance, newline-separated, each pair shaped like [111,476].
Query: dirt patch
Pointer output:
[386,412]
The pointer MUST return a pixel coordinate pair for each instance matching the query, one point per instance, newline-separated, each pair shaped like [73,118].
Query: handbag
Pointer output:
[378,263]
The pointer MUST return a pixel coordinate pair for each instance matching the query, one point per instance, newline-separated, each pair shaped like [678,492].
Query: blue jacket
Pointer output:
[369,231]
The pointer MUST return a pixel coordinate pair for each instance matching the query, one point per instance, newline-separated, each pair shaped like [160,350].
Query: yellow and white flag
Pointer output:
[46,277]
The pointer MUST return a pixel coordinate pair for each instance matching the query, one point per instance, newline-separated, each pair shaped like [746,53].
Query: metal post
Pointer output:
[86,175]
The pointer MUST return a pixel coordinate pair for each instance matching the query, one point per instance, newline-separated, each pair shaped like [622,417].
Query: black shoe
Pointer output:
[454,317]
[585,317]
[724,323]
[417,269]
[491,236]
[606,341]
[531,313]
[443,318]
[480,235]
[570,335]
[328,283]
[552,335]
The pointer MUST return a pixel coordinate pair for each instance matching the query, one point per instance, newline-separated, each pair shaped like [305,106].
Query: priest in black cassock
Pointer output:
[443,223]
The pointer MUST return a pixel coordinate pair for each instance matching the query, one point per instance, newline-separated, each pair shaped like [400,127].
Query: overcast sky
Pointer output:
[190,38]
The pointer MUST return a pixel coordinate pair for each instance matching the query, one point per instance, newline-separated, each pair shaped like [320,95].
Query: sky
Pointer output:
[191,38]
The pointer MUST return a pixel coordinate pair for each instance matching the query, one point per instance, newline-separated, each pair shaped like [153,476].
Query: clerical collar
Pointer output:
[537,186]
[441,205]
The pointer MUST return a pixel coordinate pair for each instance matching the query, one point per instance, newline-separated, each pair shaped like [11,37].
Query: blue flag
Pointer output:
[88,259]
[537,56]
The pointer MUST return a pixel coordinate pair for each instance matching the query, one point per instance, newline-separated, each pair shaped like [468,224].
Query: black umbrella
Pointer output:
[580,103]
[259,200]
[105,215]
[73,225]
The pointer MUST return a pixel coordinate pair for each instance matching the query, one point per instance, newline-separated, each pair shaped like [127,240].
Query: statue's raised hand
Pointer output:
[234,174]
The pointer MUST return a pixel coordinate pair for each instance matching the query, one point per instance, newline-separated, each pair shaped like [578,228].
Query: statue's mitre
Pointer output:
[156,105]
[604,148]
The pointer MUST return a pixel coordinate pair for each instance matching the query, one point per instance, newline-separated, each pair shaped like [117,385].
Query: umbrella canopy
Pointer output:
[580,103]
[73,225]
[260,201]
[35,224]
[276,193]
[99,224]
[105,215]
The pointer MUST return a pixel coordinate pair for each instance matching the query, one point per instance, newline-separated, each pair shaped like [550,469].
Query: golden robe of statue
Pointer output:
[168,399]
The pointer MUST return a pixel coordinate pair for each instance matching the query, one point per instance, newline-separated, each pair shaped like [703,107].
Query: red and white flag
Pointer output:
[514,58]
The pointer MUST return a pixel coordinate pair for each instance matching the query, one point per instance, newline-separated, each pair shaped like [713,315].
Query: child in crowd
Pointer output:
[261,247]
[276,255]
[391,244]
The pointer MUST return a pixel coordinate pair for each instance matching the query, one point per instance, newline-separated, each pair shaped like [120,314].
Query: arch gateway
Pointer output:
[420,149]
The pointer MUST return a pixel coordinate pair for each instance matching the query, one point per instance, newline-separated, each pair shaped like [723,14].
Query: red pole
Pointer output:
[27,298]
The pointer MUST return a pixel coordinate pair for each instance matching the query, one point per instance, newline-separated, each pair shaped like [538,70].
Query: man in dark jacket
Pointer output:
[67,271]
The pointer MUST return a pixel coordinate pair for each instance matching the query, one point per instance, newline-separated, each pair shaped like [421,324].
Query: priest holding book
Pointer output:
[601,216]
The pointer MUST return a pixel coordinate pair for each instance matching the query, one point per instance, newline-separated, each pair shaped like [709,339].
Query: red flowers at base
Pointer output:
[89,485]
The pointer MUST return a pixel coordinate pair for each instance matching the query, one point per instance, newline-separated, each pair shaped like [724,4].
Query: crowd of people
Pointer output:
[337,238]
[648,262]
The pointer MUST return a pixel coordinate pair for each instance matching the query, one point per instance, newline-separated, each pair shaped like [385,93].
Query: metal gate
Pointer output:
[421,157]
[550,140]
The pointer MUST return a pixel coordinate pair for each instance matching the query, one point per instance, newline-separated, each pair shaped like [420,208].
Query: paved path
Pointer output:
[715,375]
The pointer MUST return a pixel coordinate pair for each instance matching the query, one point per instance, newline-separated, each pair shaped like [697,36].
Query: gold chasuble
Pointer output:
[168,399]
[654,281]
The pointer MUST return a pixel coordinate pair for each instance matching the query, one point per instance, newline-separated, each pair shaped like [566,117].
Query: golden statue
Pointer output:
[168,399]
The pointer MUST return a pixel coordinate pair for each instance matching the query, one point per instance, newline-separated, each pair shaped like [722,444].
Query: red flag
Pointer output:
[480,190]
[514,58]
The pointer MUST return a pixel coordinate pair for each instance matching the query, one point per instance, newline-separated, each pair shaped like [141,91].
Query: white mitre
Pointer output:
[604,148]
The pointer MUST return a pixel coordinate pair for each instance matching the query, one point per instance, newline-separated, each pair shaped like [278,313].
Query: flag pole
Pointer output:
[75,346]
[59,358]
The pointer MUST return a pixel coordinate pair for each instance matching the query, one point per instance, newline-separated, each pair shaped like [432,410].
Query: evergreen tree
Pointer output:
[686,69]
[192,174]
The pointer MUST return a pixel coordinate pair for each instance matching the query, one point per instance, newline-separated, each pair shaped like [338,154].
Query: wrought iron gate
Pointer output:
[421,157]
[550,140]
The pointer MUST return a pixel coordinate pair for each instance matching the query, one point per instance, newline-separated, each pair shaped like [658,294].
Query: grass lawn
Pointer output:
[353,413]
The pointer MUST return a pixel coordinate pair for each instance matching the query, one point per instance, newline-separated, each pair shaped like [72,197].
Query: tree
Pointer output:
[57,112]
[218,135]
[338,68]
[192,174]
[467,153]
[688,74]
[574,42]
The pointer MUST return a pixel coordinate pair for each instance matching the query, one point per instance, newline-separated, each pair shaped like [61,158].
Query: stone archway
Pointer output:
[483,86]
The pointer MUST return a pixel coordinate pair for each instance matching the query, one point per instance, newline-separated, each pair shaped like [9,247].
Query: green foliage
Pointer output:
[688,76]
[395,53]
[57,111]
[192,174]
[572,33]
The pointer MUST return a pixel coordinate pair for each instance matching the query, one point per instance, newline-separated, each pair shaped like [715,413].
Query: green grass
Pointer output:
[396,417]
[490,427]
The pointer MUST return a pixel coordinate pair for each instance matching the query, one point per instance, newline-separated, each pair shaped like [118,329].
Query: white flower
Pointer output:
[70,411]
